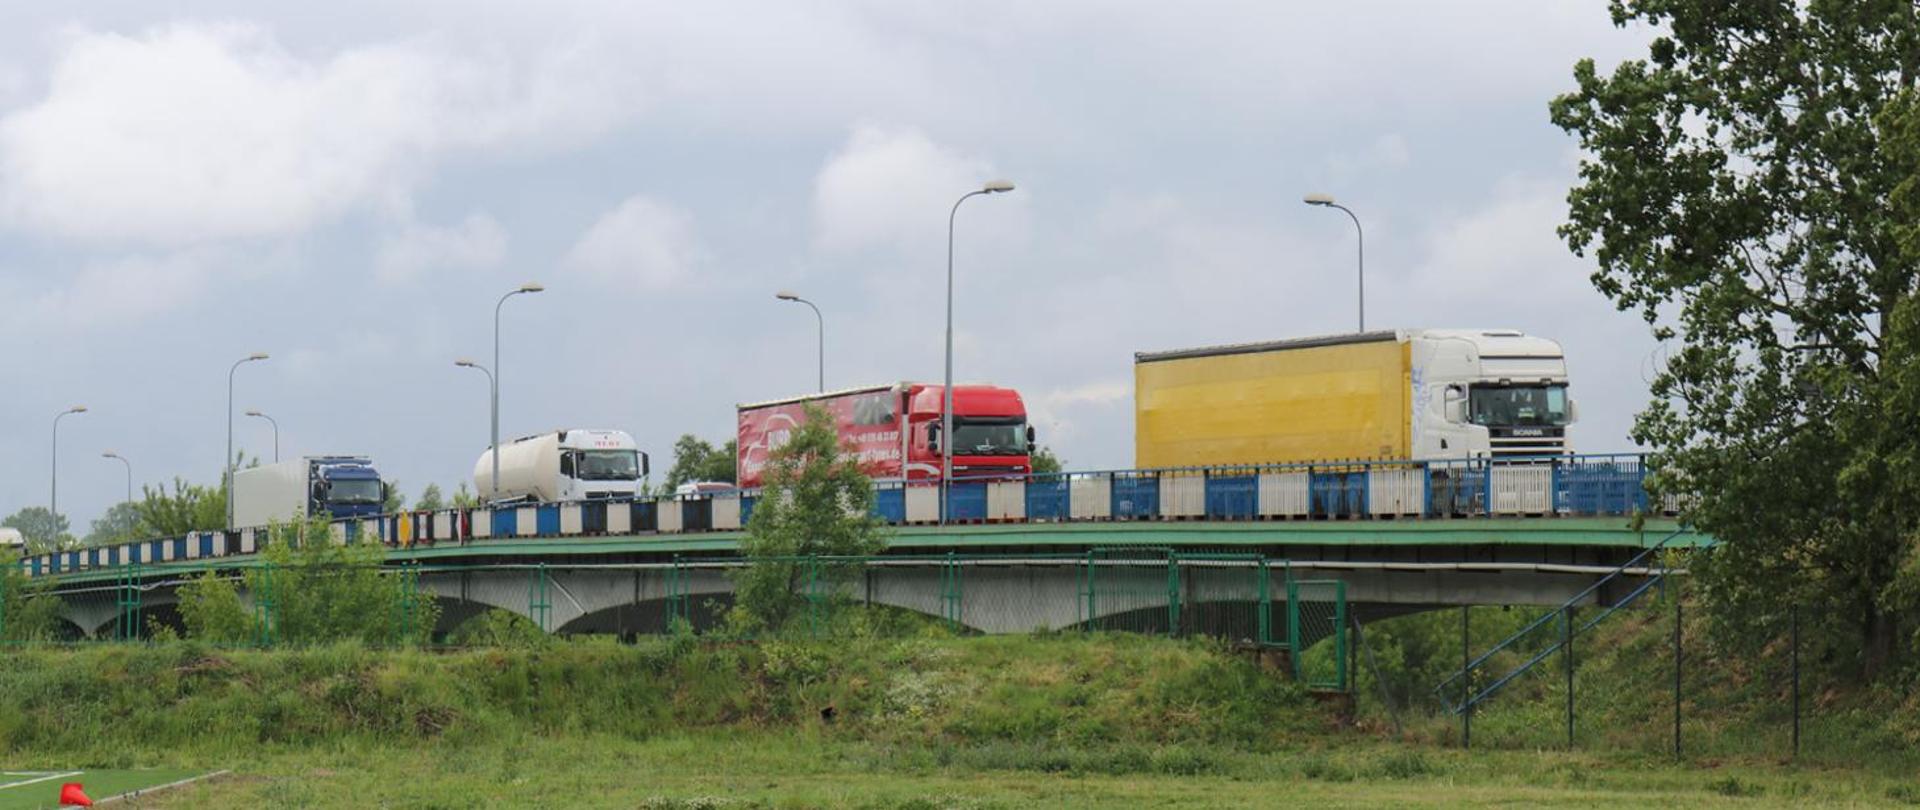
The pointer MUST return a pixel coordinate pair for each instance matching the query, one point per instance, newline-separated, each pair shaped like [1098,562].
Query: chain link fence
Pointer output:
[1241,599]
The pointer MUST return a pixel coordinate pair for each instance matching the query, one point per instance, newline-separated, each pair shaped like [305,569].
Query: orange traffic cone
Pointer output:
[72,796]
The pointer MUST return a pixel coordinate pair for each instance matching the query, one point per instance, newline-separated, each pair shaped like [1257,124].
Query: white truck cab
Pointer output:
[578,464]
[1481,393]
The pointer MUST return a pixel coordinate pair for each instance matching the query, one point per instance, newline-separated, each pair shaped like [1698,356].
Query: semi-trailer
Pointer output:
[894,430]
[300,488]
[577,464]
[1401,394]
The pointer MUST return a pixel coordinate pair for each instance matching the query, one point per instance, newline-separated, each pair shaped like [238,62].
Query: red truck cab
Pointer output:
[894,431]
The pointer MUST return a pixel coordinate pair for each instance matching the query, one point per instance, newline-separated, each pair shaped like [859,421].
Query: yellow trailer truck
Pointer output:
[1428,394]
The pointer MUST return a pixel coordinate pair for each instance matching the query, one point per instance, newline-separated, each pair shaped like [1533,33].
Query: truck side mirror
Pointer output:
[933,438]
[386,494]
[1031,444]
[1573,410]
[645,469]
[566,464]
[319,491]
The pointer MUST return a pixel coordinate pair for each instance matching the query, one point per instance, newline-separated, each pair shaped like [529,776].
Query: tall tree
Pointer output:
[41,528]
[431,499]
[188,508]
[120,524]
[1741,192]
[816,501]
[1045,462]
[696,459]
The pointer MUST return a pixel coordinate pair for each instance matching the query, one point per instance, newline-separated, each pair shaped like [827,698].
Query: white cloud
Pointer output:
[890,185]
[476,242]
[642,243]
[120,292]
[195,132]
[1060,413]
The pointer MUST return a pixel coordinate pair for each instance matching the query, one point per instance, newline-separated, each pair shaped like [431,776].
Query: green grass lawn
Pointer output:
[27,791]
[799,769]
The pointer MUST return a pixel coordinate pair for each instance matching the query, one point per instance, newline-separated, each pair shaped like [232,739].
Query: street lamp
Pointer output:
[53,499]
[1326,201]
[494,379]
[946,409]
[786,295]
[276,433]
[466,363]
[123,460]
[229,463]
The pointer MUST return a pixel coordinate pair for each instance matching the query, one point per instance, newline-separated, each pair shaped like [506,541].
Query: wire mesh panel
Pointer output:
[1135,590]
[1319,616]
[1224,595]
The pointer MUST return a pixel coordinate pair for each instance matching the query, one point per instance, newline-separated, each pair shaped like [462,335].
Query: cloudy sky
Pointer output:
[350,186]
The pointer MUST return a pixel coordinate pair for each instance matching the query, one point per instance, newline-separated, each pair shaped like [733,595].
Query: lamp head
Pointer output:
[787,295]
[532,287]
[77,409]
[257,356]
[997,186]
[255,413]
[464,363]
[109,454]
[1317,198]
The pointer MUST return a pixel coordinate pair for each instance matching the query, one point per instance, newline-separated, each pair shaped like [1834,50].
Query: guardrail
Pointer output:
[1545,486]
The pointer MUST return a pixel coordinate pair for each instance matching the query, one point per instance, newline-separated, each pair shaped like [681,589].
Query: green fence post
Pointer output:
[1265,619]
[1173,594]
[539,601]
[130,606]
[1090,582]
[1293,624]
[673,594]
[1340,632]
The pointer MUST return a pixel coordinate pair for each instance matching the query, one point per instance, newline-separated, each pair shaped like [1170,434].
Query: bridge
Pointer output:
[1219,550]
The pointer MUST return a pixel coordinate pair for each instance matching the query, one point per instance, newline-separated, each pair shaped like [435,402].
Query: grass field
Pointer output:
[799,770]
[30,790]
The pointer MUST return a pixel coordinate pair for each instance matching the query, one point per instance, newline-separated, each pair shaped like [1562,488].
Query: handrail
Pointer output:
[1444,694]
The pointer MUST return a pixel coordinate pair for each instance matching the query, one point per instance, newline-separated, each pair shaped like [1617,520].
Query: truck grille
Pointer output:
[1528,441]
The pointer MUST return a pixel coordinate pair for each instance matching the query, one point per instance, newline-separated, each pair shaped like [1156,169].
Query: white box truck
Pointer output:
[296,489]
[564,465]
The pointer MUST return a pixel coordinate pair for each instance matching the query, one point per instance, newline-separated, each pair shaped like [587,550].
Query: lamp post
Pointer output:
[946,393]
[494,379]
[1326,201]
[53,498]
[229,463]
[276,433]
[466,363]
[786,295]
[123,460]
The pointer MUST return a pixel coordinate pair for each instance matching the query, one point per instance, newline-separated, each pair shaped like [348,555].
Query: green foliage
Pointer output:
[211,610]
[1749,191]
[120,524]
[396,501]
[816,501]
[41,528]
[464,498]
[322,591]
[28,609]
[695,459]
[188,508]
[431,499]
[498,628]
[1045,462]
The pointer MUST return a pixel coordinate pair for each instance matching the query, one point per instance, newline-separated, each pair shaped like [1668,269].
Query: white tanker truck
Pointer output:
[563,465]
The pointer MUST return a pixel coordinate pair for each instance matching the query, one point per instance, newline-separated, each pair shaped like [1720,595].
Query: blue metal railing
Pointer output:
[1560,486]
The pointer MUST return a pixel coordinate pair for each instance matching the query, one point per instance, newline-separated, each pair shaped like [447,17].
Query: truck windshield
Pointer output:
[1518,405]
[607,465]
[354,490]
[989,439]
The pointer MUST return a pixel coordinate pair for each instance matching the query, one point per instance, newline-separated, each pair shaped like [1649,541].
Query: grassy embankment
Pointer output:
[1089,721]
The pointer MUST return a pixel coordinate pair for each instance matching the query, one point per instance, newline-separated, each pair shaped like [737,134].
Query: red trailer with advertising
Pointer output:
[895,430]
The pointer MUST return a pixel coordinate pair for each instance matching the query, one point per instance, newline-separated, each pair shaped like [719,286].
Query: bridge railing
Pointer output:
[1361,489]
